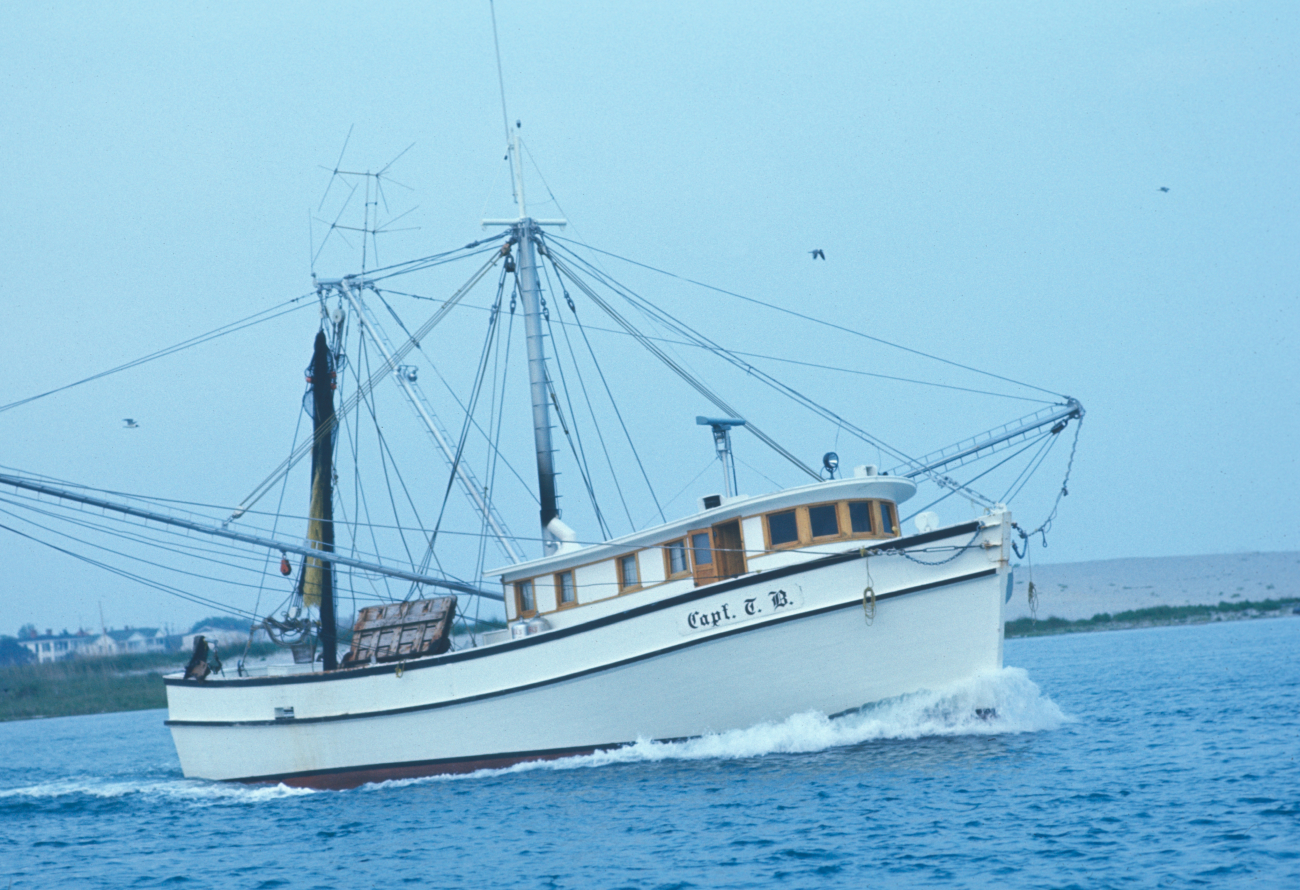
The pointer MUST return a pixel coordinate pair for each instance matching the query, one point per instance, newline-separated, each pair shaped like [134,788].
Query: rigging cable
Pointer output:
[165,588]
[774,358]
[479,376]
[456,398]
[1064,491]
[812,319]
[498,411]
[213,334]
[580,453]
[764,377]
[350,402]
[275,526]
[605,383]
[694,382]
[952,491]
[617,413]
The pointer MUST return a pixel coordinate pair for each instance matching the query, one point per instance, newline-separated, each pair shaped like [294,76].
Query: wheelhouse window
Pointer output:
[887,518]
[860,517]
[628,576]
[701,549]
[782,528]
[823,521]
[675,553]
[565,593]
[524,598]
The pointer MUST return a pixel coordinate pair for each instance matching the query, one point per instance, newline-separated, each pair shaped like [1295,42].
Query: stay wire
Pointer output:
[225,556]
[776,358]
[580,452]
[596,363]
[1032,468]
[781,387]
[813,319]
[591,411]
[479,376]
[619,414]
[165,588]
[952,491]
[214,334]
[455,397]
[691,379]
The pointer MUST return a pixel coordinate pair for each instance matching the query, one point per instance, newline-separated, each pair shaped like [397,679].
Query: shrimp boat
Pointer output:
[743,610]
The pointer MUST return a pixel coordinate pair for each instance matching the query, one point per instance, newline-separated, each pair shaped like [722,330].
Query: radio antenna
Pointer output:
[515,187]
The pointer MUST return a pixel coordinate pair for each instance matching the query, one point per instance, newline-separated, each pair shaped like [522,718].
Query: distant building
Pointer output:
[132,640]
[50,646]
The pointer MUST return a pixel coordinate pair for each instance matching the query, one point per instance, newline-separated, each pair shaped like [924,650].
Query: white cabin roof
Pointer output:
[890,488]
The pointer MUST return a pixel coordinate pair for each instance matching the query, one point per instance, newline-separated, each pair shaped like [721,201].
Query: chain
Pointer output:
[894,551]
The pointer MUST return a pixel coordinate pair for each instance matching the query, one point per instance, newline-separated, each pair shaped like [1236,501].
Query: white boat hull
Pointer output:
[726,656]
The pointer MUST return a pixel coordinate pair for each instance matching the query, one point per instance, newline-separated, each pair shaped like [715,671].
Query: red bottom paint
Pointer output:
[353,778]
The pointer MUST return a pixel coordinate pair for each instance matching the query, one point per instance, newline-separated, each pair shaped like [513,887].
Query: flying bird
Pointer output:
[130,423]
[1164,188]
[818,254]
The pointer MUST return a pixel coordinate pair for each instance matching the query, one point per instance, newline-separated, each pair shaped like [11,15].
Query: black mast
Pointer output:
[318,577]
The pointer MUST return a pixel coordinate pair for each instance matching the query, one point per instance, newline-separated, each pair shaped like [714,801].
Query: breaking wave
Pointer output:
[1018,705]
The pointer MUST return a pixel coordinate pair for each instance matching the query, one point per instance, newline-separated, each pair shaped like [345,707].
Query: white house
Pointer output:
[50,646]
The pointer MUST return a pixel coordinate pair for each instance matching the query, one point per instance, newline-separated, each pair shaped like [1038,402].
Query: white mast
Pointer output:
[555,534]
[523,234]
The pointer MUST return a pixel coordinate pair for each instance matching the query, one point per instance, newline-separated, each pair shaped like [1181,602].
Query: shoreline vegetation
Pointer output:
[1155,616]
[134,682]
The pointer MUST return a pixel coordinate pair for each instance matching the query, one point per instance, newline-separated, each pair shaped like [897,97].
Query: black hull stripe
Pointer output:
[747,628]
[761,578]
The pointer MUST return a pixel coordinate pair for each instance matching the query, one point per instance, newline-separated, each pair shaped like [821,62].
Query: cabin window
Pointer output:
[628,576]
[887,518]
[701,549]
[860,517]
[823,521]
[524,597]
[676,555]
[782,528]
[565,592]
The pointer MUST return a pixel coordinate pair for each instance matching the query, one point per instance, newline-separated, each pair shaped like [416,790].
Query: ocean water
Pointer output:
[1164,757]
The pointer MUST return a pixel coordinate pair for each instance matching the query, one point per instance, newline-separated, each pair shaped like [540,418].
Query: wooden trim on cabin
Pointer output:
[559,591]
[888,518]
[669,574]
[843,518]
[872,525]
[618,571]
[711,571]
[705,572]
[520,611]
[839,527]
[729,556]
[767,532]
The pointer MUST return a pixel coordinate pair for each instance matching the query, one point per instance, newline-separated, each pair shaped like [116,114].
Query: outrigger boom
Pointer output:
[255,540]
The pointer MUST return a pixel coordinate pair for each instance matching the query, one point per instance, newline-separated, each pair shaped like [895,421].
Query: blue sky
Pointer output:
[985,183]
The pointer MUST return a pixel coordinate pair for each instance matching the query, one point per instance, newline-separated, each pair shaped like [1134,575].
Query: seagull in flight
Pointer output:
[818,254]
[129,423]
[1164,188]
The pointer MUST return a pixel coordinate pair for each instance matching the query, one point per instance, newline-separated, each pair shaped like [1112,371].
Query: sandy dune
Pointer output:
[1076,590]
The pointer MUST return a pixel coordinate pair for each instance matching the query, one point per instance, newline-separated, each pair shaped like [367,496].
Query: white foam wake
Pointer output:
[1019,704]
[195,790]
